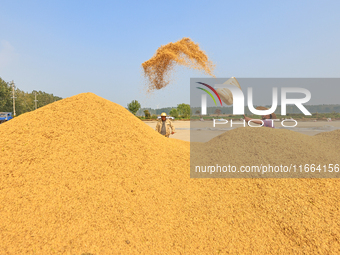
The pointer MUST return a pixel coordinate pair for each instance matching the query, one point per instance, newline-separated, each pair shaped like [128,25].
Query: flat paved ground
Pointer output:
[203,131]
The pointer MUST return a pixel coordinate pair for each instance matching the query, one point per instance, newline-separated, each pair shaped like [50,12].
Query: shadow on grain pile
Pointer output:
[83,175]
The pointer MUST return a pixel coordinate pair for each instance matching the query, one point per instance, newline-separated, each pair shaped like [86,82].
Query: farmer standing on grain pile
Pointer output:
[163,126]
[267,119]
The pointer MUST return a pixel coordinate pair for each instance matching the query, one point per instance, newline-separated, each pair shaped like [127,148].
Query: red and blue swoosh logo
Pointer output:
[209,93]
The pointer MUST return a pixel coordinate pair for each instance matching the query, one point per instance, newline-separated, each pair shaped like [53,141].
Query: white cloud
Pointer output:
[7,53]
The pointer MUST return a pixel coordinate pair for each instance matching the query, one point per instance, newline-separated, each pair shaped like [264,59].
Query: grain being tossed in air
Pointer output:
[185,52]
[83,175]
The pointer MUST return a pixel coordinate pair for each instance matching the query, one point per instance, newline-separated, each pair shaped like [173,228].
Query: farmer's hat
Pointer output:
[273,116]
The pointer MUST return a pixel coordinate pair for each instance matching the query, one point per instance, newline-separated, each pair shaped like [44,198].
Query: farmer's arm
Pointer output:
[257,121]
[172,128]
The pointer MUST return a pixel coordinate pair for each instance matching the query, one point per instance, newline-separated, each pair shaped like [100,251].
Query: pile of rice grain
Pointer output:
[267,146]
[83,175]
[157,70]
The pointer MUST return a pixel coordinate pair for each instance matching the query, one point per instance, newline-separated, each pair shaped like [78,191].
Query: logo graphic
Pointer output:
[238,99]
[213,90]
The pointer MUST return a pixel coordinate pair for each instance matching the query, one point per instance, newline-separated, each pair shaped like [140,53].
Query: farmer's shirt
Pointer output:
[268,123]
[168,127]
[163,130]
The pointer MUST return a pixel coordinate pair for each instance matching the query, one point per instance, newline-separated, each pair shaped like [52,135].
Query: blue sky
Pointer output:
[70,47]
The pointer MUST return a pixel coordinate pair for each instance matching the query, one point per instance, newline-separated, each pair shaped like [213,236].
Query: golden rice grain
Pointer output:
[157,70]
[83,175]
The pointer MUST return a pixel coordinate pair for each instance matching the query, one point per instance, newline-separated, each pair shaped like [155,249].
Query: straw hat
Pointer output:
[225,94]
[265,108]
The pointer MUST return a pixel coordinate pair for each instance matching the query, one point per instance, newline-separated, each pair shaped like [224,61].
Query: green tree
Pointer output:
[20,106]
[218,112]
[6,103]
[184,110]
[147,114]
[174,112]
[24,101]
[134,106]
[43,98]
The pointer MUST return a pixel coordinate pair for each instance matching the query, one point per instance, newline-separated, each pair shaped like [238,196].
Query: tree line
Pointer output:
[24,101]
[182,110]
[185,111]
[291,109]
